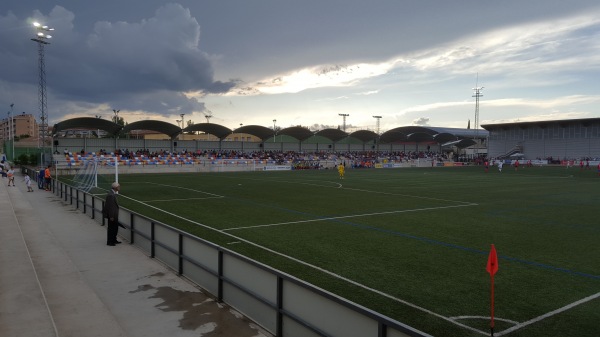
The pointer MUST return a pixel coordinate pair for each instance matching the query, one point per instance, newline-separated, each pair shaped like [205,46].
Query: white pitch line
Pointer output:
[549,314]
[348,216]
[185,188]
[485,317]
[366,191]
[157,200]
[318,268]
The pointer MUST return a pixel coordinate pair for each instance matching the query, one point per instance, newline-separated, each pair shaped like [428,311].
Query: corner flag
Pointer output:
[492,264]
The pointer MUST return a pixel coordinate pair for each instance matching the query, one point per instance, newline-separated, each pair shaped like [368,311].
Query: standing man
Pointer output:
[40,179]
[111,212]
[48,178]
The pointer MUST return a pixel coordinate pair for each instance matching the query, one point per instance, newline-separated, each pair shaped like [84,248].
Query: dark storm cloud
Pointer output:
[117,61]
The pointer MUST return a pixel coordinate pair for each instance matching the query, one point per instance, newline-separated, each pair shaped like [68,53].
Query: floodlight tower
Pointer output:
[42,39]
[378,122]
[116,118]
[344,120]
[477,94]
[182,121]
[208,116]
[274,130]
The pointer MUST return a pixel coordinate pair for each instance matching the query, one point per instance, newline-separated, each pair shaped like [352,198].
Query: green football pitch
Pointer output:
[411,244]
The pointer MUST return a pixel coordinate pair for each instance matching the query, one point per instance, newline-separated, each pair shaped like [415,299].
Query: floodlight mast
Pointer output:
[41,39]
[477,94]
[344,121]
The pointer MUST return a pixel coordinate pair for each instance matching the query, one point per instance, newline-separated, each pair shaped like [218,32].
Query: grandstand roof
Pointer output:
[542,124]
[332,134]
[400,134]
[256,130]
[364,135]
[87,123]
[214,129]
[169,129]
[297,132]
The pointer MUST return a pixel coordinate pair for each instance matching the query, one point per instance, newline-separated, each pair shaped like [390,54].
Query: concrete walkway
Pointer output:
[58,278]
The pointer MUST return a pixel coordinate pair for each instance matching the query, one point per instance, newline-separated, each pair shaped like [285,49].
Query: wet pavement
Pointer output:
[58,278]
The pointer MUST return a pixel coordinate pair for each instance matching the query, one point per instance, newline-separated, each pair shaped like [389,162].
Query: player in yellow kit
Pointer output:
[341,170]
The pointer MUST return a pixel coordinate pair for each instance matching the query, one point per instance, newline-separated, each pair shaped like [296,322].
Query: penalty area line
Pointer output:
[349,216]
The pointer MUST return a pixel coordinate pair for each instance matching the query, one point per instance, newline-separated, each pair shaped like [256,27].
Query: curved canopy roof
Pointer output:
[257,131]
[87,123]
[418,134]
[332,134]
[364,135]
[297,132]
[214,129]
[169,129]
[444,137]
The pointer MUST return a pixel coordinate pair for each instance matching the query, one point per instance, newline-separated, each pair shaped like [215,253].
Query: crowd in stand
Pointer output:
[300,160]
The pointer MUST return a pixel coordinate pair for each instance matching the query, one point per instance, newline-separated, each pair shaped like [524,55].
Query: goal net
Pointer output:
[95,175]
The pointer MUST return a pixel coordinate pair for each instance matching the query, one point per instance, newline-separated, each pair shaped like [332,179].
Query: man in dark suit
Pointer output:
[111,212]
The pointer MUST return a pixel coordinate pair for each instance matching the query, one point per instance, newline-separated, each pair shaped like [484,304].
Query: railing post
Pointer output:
[180,271]
[152,239]
[220,271]
[93,207]
[279,320]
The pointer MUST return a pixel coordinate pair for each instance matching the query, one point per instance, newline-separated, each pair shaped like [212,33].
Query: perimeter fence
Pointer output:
[282,304]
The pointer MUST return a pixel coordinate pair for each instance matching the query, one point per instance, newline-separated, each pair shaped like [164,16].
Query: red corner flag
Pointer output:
[492,264]
[492,268]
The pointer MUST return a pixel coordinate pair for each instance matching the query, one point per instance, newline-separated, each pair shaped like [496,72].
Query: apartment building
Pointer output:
[22,124]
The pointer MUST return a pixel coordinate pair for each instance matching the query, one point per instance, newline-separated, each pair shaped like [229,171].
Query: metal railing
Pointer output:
[282,304]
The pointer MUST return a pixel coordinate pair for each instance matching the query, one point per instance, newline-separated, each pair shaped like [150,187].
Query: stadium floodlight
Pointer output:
[42,39]
[344,121]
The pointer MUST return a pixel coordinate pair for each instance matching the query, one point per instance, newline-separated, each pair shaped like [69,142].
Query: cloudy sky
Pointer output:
[305,62]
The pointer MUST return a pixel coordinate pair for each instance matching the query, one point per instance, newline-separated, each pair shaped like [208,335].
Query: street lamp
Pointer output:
[11,135]
[42,39]
[274,130]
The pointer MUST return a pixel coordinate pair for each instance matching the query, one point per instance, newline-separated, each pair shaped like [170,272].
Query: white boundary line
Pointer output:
[316,268]
[361,190]
[448,319]
[165,200]
[348,216]
[484,317]
[549,314]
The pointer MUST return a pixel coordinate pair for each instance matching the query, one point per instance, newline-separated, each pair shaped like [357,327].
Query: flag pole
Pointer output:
[492,268]
[492,309]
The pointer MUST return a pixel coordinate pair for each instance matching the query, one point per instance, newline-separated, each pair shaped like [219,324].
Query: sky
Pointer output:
[250,62]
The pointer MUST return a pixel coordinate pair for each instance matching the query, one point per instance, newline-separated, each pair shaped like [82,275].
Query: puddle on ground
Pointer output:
[201,312]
